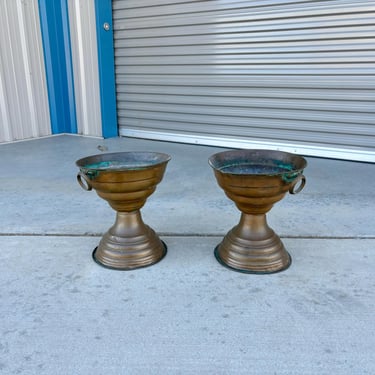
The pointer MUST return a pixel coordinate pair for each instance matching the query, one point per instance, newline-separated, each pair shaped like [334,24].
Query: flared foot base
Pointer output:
[129,244]
[128,267]
[254,270]
[253,247]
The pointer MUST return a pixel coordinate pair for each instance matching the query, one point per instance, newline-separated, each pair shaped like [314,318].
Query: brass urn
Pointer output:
[125,180]
[255,180]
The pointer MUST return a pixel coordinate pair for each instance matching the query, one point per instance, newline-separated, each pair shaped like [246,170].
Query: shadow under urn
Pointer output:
[125,180]
[255,180]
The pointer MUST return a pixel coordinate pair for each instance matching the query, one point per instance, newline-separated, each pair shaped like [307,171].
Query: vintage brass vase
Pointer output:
[125,180]
[255,180]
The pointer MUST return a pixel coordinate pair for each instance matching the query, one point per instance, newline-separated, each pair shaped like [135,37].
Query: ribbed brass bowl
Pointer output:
[125,180]
[255,180]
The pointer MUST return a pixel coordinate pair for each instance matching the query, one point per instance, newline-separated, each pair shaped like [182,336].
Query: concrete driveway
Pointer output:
[61,313]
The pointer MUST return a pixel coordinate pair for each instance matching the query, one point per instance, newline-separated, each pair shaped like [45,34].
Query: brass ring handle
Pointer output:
[302,181]
[85,185]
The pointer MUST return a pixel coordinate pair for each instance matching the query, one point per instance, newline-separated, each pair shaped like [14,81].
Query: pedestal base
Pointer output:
[129,244]
[253,247]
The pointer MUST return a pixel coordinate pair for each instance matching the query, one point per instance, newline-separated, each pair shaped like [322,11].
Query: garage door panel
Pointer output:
[350,82]
[328,98]
[247,69]
[251,128]
[130,8]
[251,110]
[334,106]
[268,124]
[293,75]
[321,46]
[133,23]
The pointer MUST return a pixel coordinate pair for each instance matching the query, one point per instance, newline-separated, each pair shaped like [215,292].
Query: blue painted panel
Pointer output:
[103,14]
[54,21]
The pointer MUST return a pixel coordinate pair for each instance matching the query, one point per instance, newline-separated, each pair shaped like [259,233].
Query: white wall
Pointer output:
[24,110]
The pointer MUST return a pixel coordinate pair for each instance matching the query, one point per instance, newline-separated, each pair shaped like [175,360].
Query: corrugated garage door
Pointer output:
[291,75]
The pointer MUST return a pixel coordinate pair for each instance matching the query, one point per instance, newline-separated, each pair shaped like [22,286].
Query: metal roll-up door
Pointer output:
[292,75]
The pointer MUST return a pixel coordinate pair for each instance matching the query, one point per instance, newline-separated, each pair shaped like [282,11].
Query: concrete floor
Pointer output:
[61,313]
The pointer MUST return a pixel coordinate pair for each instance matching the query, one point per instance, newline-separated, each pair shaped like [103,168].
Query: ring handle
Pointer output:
[302,181]
[84,185]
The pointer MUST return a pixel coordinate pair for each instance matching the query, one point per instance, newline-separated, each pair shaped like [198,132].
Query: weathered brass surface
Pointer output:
[255,180]
[125,180]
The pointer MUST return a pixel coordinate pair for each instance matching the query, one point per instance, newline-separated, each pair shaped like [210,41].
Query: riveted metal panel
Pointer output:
[292,75]
[24,110]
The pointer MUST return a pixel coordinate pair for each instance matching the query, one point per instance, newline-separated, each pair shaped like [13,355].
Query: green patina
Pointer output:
[251,168]
[258,167]
[92,170]
[267,167]
[283,165]
[118,165]
[288,176]
[90,173]
[105,165]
